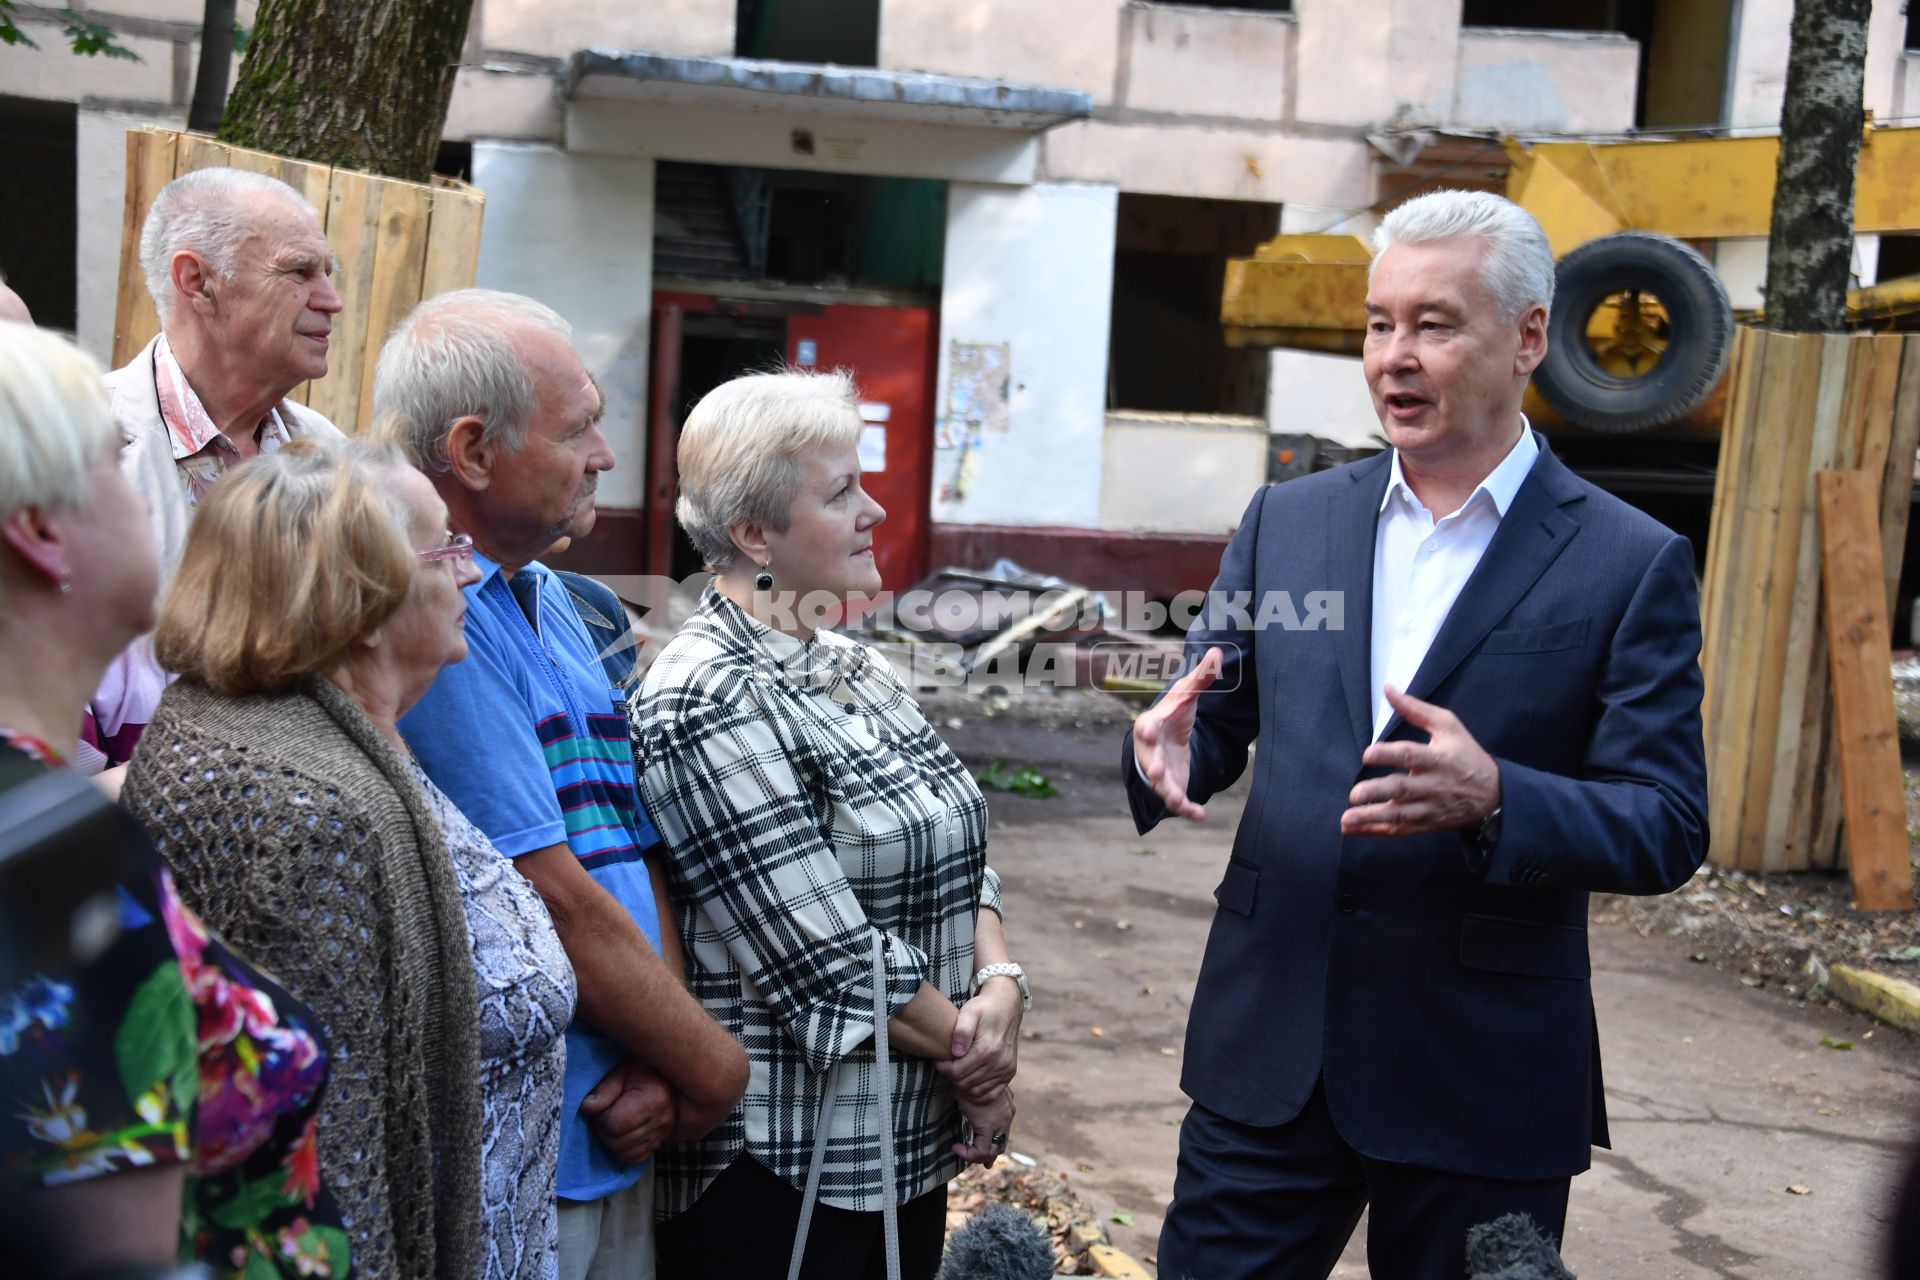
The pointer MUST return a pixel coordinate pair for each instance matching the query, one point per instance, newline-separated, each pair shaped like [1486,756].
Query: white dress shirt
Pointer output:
[1419,565]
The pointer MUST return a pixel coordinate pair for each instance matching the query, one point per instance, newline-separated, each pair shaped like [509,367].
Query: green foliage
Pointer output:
[83,35]
[1024,780]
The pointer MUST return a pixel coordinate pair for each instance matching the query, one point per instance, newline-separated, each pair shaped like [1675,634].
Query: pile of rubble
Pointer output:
[1779,932]
[1040,1193]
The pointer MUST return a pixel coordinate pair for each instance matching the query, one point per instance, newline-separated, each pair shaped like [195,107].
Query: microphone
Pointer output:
[1513,1248]
[998,1243]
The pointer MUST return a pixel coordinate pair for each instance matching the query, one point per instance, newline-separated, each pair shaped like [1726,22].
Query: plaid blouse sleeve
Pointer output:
[990,893]
[743,827]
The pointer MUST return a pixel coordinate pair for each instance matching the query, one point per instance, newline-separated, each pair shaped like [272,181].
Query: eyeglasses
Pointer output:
[459,547]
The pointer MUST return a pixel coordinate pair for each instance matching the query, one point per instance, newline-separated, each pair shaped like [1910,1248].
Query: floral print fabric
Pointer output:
[165,1048]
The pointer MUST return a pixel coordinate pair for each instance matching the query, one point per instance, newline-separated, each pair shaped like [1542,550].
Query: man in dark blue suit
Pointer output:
[1394,1005]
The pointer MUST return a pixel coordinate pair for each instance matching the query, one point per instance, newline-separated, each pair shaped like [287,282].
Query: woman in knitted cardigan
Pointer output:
[318,596]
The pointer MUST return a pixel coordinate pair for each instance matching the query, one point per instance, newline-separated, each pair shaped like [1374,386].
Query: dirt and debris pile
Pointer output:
[1040,1193]
[1781,932]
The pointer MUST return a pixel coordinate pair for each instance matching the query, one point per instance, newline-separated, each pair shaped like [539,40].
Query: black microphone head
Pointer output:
[998,1243]
[1513,1248]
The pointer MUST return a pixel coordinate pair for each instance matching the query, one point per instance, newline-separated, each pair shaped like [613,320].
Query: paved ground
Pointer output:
[1722,1097]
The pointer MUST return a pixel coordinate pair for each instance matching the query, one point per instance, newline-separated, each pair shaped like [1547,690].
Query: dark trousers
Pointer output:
[742,1228]
[1280,1202]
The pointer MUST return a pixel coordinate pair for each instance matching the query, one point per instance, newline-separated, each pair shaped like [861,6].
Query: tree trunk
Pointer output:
[359,83]
[1810,249]
[216,54]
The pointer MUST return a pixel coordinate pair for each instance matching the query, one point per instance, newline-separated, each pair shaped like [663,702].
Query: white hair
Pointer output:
[739,445]
[452,357]
[209,212]
[1517,262]
[54,420]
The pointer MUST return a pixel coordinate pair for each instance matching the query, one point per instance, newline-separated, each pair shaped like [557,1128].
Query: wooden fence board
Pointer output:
[1872,788]
[453,245]
[1798,404]
[353,216]
[1896,487]
[394,243]
[1785,424]
[150,166]
[1726,609]
[1726,604]
[1788,840]
[399,260]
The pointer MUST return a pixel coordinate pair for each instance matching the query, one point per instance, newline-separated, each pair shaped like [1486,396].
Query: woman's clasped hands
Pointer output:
[986,1044]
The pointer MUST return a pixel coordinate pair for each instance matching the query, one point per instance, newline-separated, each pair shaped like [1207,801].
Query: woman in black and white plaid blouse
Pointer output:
[808,809]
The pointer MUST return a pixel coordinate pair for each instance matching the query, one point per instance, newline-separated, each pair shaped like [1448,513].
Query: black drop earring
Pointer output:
[763,581]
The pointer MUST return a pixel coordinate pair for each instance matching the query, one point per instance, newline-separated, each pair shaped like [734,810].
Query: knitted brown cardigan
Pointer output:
[298,833]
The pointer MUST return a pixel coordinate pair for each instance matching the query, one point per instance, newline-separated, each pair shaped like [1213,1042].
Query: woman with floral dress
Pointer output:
[158,1096]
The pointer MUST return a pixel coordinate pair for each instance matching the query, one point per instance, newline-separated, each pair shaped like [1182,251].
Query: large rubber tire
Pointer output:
[1699,334]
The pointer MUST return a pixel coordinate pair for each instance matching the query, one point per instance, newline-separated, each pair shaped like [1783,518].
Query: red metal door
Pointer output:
[889,351]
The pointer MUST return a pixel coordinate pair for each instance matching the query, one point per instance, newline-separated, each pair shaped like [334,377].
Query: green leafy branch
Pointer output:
[83,35]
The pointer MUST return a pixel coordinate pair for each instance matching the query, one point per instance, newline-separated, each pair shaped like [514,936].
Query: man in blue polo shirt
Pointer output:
[488,395]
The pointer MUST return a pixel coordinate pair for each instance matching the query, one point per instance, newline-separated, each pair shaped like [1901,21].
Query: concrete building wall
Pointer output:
[1906,87]
[1886,43]
[504,102]
[576,232]
[1213,161]
[1031,267]
[556,28]
[101,163]
[1064,44]
[1179,473]
[1247,57]
[716,135]
[1372,62]
[1758,74]
[1564,83]
[55,74]
[1757,70]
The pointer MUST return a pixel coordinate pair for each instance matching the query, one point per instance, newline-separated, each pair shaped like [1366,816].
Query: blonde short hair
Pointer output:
[739,446]
[54,420]
[292,557]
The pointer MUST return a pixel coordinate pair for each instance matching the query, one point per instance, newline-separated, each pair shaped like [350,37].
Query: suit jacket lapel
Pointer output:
[1353,511]
[1531,536]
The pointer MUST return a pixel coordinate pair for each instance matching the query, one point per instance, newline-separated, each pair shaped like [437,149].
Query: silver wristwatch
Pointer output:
[1008,970]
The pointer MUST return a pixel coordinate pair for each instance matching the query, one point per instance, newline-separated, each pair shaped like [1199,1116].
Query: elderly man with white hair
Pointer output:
[487,394]
[240,272]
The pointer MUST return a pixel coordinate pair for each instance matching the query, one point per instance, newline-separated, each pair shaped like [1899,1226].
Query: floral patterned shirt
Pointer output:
[165,1048]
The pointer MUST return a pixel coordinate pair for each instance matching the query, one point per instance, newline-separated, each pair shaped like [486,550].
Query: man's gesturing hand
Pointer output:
[1162,732]
[1445,783]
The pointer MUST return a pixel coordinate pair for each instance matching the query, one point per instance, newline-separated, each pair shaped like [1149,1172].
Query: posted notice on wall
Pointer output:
[977,378]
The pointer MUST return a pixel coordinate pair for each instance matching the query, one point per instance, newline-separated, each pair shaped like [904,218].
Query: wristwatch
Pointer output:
[1008,970]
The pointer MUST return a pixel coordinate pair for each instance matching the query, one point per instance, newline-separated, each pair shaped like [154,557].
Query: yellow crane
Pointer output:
[1641,328]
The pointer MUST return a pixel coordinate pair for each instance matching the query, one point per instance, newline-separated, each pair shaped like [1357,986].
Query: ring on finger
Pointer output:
[1000,1140]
